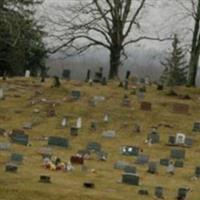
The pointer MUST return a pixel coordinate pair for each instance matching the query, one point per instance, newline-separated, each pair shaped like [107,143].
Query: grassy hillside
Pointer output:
[17,109]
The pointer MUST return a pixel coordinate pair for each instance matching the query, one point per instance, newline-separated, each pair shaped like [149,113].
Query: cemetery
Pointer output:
[55,148]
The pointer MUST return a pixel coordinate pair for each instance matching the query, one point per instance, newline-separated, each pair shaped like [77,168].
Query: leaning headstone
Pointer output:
[16,158]
[11,167]
[159,192]
[1,94]
[180,108]
[58,141]
[130,169]
[45,179]
[109,134]
[27,74]
[5,147]
[142,159]
[19,137]
[130,150]
[177,154]
[94,147]
[120,165]
[76,95]
[197,172]
[66,74]
[131,179]
[196,127]
[152,167]
[145,106]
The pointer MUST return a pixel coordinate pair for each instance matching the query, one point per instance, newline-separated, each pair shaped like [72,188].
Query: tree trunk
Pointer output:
[115,56]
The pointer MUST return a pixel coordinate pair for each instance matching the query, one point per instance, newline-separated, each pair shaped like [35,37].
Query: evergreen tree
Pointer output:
[175,72]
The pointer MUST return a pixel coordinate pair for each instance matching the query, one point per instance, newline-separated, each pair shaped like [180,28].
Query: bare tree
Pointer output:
[105,23]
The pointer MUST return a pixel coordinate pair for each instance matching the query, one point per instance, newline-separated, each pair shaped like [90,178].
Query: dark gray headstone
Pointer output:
[131,179]
[179,164]
[182,193]
[130,169]
[11,167]
[154,136]
[130,150]
[188,142]
[58,141]
[177,153]
[197,171]
[16,158]
[19,137]
[74,131]
[196,127]
[142,159]
[45,179]
[75,94]
[152,167]
[102,155]
[159,192]
[66,74]
[94,146]
[164,162]
[172,140]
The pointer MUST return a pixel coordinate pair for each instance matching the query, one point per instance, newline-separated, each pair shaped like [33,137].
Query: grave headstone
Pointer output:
[109,134]
[188,142]
[104,81]
[159,192]
[74,131]
[56,82]
[27,125]
[106,118]
[128,73]
[88,184]
[1,94]
[94,147]
[130,178]
[27,74]
[172,140]
[145,106]
[126,83]
[79,123]
[98,75]
[77,160]
[51,112]
[66,74]
[120,165]
[88,75]
[170,168]
[164,162]
[19,137]
[11,167]
[76,95]
[152,167]
[197,171]
[196,127]
[180,108]
[64,122]
[58,141]
[102,155]
[84,153]
[45,179]
[154,136]
[142,159]
[16,158]
[180,138]
[93,126]
[130,150]
[179,164]
[177,153]
[140,95]
[143,192]
[182,193]
[5,147]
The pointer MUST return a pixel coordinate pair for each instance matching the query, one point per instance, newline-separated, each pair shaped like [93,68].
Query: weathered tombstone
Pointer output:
[160,87]
[94,147]
[120,165]
[58,141]
[130,169]
[188,142]
[98,75]
[74,131]
[64,122]
[76,95]
[142,159]
[145,106]
[130,178]
[152,167]
[19,137]
[93,126]
[154,137]
[79,123]
[77,160]
[170,168]
[172,140]
[159,192]
[104,81]
[180,108]
[130,150]
[182,193]
[88,75]
[126,84]
[196,127]
[102,155]
[11,167]
[1,94]
[106,118]
[27,125]
[45,179]
[109,134]
[5,147]
[66,74]
[27,74]
[177,153]
[16,158]
[197,171]
[56,82]
[164,162]
[46,152]
[89,184]
[143,192]
[179,164]
[180,138]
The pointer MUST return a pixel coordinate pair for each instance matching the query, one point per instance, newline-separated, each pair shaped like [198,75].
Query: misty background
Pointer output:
[159,18]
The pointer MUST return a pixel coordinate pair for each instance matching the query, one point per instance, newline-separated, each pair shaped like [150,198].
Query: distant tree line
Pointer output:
[21,44]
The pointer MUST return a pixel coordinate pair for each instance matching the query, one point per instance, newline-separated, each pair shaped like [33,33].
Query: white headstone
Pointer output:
[1,94]
[106,118]
[79,123]
[180,138]
[64,122]
[27,74]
